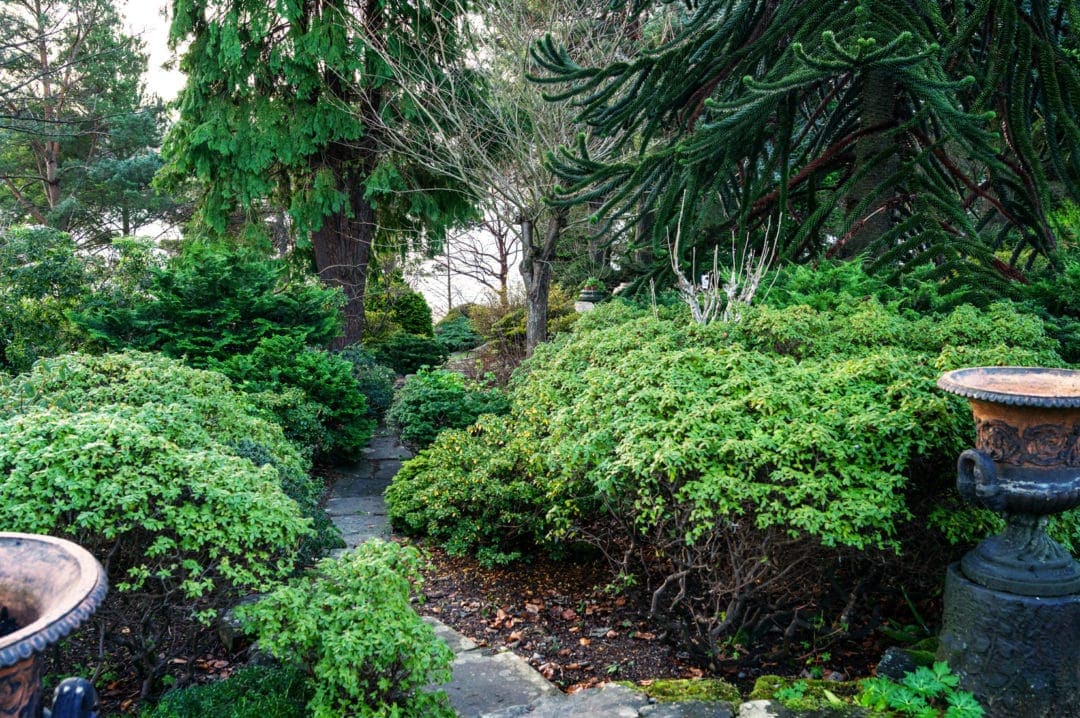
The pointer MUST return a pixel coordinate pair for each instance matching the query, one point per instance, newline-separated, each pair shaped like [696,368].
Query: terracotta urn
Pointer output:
[48,588]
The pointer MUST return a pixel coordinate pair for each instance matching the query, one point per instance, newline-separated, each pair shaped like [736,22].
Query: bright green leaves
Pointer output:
[350,624]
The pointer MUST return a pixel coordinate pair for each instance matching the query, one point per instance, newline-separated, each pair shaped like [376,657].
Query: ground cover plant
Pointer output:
[721,467]
[168,475]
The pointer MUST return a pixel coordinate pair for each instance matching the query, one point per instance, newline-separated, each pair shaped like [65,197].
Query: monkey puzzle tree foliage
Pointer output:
[909,130]
[76,133]
[280,105]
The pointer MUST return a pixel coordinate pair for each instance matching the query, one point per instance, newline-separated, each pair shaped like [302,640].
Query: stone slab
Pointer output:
[484,684]
[689,709]
[359,487]
[457,642]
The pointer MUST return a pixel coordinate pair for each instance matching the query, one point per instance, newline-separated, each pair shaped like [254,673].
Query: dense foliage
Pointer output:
[285,101]
[41,280]
[457,334]
[919,132]
[213,301]
[252,692]
[327,381]
[692,451]
[149,465]
[406,353]
[349,624]
[376,381]
[433,400]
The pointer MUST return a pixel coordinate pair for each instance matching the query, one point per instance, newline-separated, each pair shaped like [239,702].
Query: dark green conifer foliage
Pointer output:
[285,101]
[911,130]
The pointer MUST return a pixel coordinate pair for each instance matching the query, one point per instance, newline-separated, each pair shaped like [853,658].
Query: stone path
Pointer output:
[490,683]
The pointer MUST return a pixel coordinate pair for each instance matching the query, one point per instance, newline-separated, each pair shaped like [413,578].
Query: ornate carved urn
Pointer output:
[1011,628]
[48,588]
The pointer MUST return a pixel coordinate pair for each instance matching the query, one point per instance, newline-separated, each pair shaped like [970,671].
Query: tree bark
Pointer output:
[877,111]
[536,271]
[342,253]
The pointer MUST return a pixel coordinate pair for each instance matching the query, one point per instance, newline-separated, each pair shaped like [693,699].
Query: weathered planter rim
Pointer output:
[56,621]
[1015,385]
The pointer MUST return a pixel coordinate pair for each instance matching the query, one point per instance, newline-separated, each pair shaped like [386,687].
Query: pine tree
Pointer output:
[71,103]
[906,131]
[282,104]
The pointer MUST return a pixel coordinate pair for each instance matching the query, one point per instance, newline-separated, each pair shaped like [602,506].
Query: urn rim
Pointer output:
[61,600]
[1043,387]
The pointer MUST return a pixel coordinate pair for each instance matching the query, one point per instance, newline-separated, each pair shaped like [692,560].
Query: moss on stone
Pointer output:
[801,694]
[670,690]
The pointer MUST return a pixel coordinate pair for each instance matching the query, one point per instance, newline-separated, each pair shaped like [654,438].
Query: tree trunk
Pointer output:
[536,271]
[342,253]
[877,112]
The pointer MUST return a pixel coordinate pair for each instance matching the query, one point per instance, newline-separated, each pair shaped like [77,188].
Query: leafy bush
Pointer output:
[41,280]
[153,467]
[435,399]
[692,451]
[251,692]
[457,334]
[376,381]
[406,353]
[474,491]
[399,304]
[927,692]
[213,301]
[350,625]
[326,380]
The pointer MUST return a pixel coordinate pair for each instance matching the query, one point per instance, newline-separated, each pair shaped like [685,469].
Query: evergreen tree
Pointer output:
[71,102]
[908,130]
[284,102]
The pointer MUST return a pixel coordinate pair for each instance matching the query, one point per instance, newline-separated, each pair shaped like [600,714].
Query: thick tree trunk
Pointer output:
[536,271]
[342,254]
[877,112]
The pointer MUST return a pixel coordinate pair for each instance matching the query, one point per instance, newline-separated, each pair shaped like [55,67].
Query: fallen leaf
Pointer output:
[565,652]
[583,641]
[620,601]
[611,634]
[643,635]
[569,615]
[548,670]
[533,607]
[514,636]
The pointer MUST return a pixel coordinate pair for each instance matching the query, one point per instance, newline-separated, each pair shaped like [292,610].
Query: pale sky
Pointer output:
[146,18]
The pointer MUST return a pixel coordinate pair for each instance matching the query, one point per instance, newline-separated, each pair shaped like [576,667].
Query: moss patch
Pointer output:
[825,698]
[677,689]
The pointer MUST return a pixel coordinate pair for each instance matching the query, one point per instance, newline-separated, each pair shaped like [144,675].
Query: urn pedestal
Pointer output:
[48,588]
[1011,626]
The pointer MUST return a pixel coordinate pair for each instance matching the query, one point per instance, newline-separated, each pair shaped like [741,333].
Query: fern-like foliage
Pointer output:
[912,131]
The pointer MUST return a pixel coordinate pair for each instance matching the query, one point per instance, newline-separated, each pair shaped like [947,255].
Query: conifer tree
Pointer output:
[77,133]
[903,130]
[281,105]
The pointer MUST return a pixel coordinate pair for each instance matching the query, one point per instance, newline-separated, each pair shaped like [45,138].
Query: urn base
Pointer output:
[1018,655]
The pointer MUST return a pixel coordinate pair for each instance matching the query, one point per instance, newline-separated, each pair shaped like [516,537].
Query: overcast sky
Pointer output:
[146,19]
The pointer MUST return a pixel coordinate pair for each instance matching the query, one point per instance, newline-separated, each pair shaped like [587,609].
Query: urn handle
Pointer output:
[977,480]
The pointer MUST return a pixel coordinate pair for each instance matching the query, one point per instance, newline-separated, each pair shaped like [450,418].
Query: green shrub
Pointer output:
[326,380]
[796,434]
[251,692]
[474,491]
[398,304]
[376,381]
[406,353]
[155,468]
[435,399]
[457,334]
[350,625]
[41,280]
[213,301]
